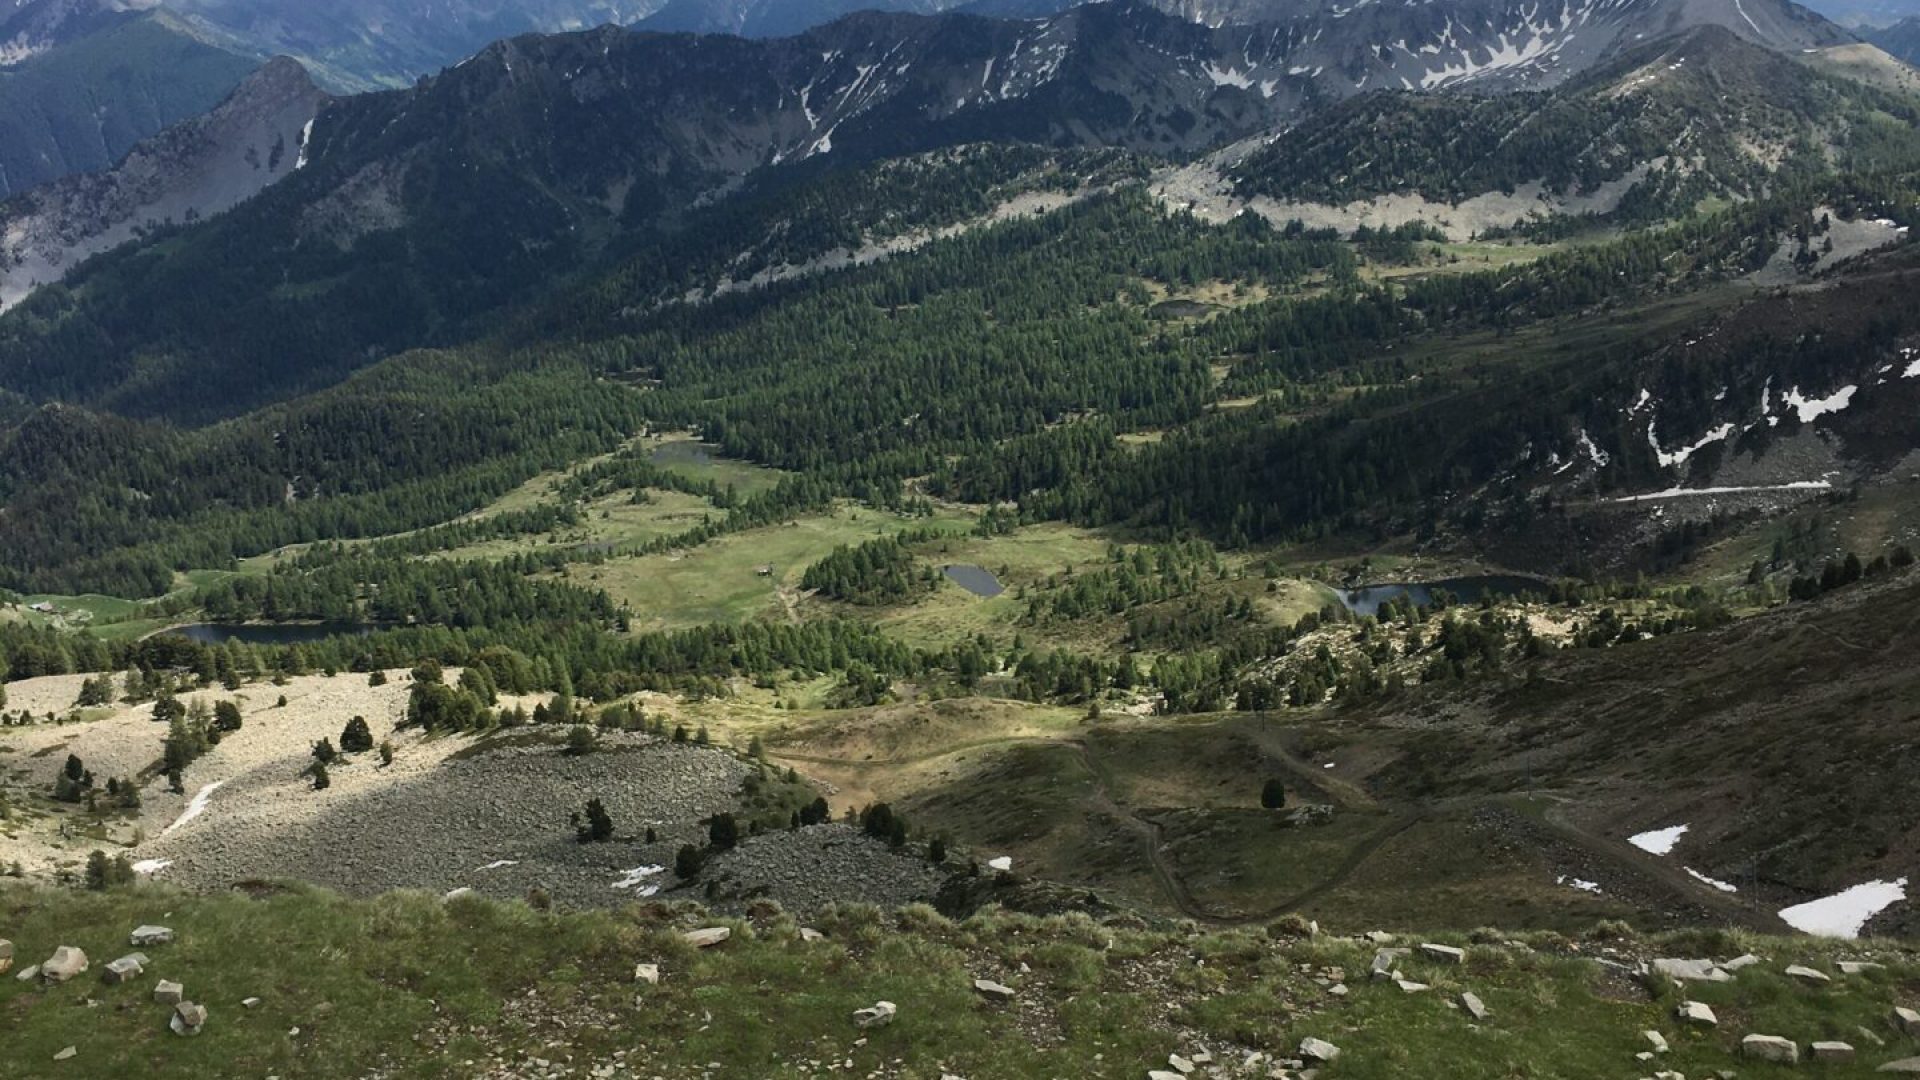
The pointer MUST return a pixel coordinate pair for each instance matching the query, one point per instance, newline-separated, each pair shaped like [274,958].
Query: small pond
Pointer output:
[975,579]
[269,633]
[1366,599]
[682,452]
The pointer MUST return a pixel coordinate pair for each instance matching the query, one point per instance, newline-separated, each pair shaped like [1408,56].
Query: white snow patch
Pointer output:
[498,864]
[194,808]
[150,867]
[1843,914]
[451,894]
[1003,863]
[1598,455]
[1810,409]
[1659,841]
[1576,883]
[306,136]
[1641,402]
[1681,493]
[632,879]
[1698,876]
[1229,77]
[1680,456]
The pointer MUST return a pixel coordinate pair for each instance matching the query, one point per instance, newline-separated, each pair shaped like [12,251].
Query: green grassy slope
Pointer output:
[408,985]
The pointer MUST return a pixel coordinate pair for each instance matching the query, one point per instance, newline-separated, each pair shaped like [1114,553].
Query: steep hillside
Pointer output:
[193,170]
[1901,40]
[1665,125]
[79,99]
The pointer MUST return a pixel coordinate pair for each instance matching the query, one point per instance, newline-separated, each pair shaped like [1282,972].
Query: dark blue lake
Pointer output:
[1366,599]
[976,580]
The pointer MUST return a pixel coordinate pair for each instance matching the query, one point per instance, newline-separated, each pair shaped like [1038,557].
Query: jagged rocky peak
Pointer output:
[197,168]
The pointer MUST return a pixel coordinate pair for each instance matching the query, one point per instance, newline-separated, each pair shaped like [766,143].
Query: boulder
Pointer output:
[1379,937]
[151,935]
[1696,1013]
[1445,954]
[64,964]
[1384,960]
[1833,1051]
[1471,1002]
[647,973]
[1807,974]
[66,1054]
[1859,967]
[707,937]
[1904,1065]
[1771,1048]
[188,1018]
[879,1014]
[809,935]
[125,969]
[1180,1065]
[250,1003]
[6,955]
[1411,987]
[1691,970]
[29,973]
[1318,1050]
[1907,1020]
[1656,1040]
[1746,960]
[1003,864]
[168,992]
[993,991]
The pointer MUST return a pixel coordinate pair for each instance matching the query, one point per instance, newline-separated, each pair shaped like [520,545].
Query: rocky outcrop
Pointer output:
[193,170]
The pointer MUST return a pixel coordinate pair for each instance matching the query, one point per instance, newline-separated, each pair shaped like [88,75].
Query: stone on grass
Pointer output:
[1832,1051]
[67,1053]
[647,973]
[1691,970]
[125,969]
[1907,1020]
[1379,937]
[188,1018]
[29,973]
[1471,1002]
[1446,954]
[1807,974]
[1180,1065]
[1318,1050]
[1698,1013]
[151,935]
[1745,960]
[1411,987]
[6,955]
[64,964]
[1904,1065]
[878,1014]
[168,992]
[250,1003]
[809,935]
[707,937]
[1656,1040]
[1164,1074]
[1771,1048]
[1859,967]
[993,991]
[1384,960]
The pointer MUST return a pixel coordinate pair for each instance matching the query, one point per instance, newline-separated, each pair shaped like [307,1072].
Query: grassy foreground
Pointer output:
[411,985]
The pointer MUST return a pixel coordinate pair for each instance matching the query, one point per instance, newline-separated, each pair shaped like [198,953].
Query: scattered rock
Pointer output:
[879,1014]
[66,1053]
[188,1018]
[1739,962]
[1446,954]
[1003,864]
[1696,1012]
[1771,1048]
[1832,1051]
[1476,1008]
[647,973]
[29,973]
[1384,960]
[1859,967]
[809,935]
[1656,1040]
[1904,1065]
[125,969]
[151,935]
[1807,974]
[992,990]
[1907,1020]
[1164,1074]
[1338,990]
[1411,987]
[167,992]
[1691,970]
[1180,1065]
[707,937]
[6,955]
[250,1003]
[64,964]
[1318,1050]
[1379,937]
